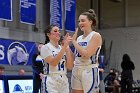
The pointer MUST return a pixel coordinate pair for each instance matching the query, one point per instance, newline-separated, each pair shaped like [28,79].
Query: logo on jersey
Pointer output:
[82,43]
[17,54]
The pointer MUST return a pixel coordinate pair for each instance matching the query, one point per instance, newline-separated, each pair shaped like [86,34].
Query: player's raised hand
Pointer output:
[67,39]
[75,35]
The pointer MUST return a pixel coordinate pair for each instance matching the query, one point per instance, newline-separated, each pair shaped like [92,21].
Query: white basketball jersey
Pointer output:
[84,43]
[49,50]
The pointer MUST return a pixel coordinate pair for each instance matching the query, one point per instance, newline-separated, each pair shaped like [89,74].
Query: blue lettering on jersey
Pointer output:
[81,44]
[61,66]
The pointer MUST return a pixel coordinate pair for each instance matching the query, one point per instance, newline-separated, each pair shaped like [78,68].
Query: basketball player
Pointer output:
[57,60]
[85,74]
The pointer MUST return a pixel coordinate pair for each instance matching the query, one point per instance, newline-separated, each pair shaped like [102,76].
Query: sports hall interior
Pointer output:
[118,23]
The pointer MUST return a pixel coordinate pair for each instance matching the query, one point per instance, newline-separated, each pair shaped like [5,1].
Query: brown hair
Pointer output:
[46,31]
[91,16]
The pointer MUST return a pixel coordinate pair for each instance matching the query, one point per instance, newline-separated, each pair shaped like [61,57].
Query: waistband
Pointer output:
[86,66]
[55,74]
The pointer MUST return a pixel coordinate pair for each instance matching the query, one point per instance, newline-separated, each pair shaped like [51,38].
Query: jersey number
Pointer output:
[61,66]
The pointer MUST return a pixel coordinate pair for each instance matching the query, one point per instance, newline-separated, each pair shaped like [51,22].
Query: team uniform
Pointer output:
[55,79]
[85,74]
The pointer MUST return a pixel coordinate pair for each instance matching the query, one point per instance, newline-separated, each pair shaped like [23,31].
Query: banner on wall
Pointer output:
[6,10]
[14,52]
[56,13]
[28,11]
[70,11]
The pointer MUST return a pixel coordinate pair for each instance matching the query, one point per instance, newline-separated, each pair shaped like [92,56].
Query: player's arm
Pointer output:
[69,58]
[69,55]
[54,60]
[92,47]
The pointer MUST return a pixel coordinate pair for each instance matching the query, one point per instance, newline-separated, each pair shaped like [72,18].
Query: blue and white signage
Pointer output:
[28,11]
[2,86]
[6,10]
[70,13]
[20,86]
[14,52]
[56,13]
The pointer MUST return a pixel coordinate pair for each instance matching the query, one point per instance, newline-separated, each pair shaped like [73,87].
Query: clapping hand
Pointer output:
[75,35]
[66,41]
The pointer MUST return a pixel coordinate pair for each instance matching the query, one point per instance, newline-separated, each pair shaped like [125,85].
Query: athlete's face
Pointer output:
[84,23]
[55,33]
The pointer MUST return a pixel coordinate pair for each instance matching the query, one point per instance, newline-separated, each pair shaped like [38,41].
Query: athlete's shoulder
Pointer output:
[96,33]
[97,37]
[79,37]
[48,45]
[45,47]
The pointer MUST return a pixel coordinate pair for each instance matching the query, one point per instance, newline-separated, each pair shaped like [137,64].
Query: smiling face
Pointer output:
[54,34]
[84,23]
